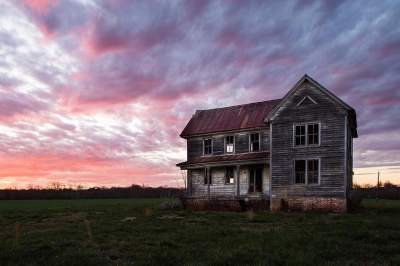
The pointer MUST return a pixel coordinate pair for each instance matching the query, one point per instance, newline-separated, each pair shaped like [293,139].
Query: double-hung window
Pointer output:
[306,134]
[300,135]
[254,141]
[207,146]
[313,134]
[306,171]
[229,144]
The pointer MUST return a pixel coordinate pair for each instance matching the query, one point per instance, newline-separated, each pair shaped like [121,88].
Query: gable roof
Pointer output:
[253,115]
[230,118]
[352,113]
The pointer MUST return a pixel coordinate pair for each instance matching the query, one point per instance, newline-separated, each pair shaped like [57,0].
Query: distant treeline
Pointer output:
[134,191]
[385,191]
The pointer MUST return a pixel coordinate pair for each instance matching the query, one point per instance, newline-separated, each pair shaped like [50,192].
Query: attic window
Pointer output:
[307,100]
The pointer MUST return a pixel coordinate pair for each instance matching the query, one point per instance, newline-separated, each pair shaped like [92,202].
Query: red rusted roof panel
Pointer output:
[229,118]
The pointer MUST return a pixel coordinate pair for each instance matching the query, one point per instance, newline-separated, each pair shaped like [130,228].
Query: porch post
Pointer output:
[189,182]
[208,181]
[238,181]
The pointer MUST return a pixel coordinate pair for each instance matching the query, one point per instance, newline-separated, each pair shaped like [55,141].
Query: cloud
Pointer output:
[98,91]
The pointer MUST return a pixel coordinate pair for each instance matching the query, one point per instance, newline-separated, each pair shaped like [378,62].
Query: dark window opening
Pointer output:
[255,180]
[229,144]
[312,171]
[230,175]
[207,143]
[306,171]
[207,176]
[254,142]
[313,134]
[300,135]
[300,171]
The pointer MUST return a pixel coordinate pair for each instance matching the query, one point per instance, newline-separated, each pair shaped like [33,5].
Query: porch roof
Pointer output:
[241,157]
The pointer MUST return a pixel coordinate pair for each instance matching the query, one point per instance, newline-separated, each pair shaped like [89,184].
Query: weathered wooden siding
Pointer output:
[218,186]
[195,145]
[349,158]
[330,151]
[198,188]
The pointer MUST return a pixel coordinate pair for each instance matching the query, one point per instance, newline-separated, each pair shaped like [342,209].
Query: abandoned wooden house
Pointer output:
[290,153]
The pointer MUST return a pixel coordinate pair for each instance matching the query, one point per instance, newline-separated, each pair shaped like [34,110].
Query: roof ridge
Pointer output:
[238,105]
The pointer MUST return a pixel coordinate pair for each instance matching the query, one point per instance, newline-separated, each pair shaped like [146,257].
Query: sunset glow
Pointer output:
[96,92]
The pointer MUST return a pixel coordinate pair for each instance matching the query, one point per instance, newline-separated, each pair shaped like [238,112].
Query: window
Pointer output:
[300,171]
[312,171]
[230,175]
[254,142]
[300,135]
[311,130]
[207,144]
[306,171]
[207,176]
[313,134]
[229,144]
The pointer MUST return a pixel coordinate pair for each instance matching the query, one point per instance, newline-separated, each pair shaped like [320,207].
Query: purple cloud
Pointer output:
[106,81]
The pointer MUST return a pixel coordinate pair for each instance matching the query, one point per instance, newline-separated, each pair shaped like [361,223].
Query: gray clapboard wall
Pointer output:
[218,186]
[331,150]
[195,144]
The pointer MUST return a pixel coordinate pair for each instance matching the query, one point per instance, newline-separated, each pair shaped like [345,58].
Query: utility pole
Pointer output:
[378,181]
[377,187]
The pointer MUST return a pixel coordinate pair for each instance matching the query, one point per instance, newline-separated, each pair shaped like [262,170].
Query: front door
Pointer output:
[255,182]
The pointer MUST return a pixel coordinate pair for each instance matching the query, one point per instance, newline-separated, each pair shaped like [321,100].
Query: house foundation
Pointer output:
[313,204]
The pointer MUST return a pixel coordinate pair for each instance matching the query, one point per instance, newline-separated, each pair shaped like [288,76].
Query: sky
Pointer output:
[96,92]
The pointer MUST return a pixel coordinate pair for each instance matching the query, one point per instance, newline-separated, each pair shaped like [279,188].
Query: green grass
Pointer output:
[93,232]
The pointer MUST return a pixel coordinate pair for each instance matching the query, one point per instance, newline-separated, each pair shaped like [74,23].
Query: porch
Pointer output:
[239,177]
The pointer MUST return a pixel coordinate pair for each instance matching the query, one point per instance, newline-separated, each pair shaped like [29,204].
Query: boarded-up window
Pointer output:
[230,175]
[300,171]
[207,144]
[300,135]
[254,142]
[229,144]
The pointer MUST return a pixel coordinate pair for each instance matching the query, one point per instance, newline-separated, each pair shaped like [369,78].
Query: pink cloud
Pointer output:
[40,6]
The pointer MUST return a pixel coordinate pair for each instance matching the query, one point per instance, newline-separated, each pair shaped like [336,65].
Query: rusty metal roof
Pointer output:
[225,158]
[229,118]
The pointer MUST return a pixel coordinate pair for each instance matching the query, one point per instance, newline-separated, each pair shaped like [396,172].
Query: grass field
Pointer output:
[98,232]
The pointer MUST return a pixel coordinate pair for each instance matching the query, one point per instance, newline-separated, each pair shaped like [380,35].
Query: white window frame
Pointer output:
[306,172]
[259,141]
[212,148]
[234,146]
[306,136]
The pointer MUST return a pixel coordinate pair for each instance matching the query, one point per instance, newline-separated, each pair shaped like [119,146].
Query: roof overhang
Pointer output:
[223,160]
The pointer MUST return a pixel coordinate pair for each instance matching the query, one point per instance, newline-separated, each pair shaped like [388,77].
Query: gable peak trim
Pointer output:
[298,84]
[307,97]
